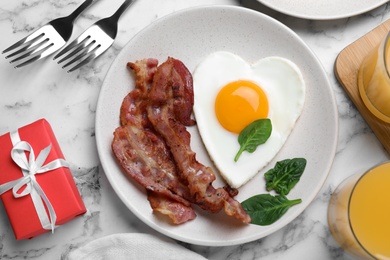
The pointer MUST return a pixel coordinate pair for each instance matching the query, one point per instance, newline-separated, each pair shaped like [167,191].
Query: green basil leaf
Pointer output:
[265,209]
[283,177]
[253,135]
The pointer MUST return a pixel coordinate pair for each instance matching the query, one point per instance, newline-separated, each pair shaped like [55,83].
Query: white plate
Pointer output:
[323,9]
[190,35]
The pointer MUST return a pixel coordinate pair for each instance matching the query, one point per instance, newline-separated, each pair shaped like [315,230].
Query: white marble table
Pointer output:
[68,102]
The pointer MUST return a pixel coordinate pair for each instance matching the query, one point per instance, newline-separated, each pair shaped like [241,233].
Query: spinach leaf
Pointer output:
[253,135]
[283,177]
[265,209]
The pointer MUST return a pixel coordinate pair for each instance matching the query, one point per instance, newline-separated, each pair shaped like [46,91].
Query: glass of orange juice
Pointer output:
[359,213]
[374,80]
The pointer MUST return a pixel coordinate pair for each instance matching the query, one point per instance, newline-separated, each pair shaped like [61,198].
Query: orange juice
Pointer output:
[374,80]
[359,213]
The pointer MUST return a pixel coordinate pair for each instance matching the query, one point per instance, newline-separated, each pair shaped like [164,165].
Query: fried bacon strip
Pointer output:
[173,209]
[168,111]
[144,155]
[153,145]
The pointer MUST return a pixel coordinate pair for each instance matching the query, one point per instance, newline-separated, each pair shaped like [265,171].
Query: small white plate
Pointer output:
[323,9]
[190,35]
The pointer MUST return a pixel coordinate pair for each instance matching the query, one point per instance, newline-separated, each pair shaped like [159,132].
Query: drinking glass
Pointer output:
[359,213]
[374,80]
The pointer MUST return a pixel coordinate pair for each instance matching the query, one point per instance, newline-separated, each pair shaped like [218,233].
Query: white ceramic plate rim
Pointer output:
[345,8]
[217,229]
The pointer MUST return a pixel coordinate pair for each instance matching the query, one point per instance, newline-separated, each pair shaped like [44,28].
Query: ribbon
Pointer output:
[30,167]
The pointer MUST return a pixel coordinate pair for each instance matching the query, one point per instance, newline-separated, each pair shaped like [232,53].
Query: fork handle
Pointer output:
[80,9]
[121,10]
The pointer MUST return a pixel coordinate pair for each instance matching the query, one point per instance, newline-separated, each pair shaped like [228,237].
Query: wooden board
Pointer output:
[346,69]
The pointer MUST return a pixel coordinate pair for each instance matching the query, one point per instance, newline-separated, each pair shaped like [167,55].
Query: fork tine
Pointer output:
[29,39]
[31,50]
[81,54]
[90,57]
[68,47]
[35,57]
[24,46]
[82,45]
[15,45]
[17,52]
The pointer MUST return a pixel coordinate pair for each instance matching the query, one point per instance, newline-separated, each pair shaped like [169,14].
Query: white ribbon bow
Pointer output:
[30,167]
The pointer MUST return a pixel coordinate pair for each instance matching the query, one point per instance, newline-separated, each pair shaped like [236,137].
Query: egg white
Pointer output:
[282,82]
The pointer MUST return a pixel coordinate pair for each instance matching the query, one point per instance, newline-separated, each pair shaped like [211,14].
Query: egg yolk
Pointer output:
[239,103]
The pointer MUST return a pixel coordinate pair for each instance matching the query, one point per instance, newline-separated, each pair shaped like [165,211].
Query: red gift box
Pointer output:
[54,195]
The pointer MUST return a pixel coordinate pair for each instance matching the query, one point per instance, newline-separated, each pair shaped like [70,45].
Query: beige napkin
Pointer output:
[133,246]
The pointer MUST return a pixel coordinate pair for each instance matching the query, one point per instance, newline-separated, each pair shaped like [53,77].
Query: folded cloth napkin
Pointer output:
[133,246]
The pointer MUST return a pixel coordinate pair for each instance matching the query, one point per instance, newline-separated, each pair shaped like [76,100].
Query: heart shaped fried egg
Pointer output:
[230,94]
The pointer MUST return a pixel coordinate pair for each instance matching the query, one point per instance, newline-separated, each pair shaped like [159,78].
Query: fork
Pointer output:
[94,41]
[47,39]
